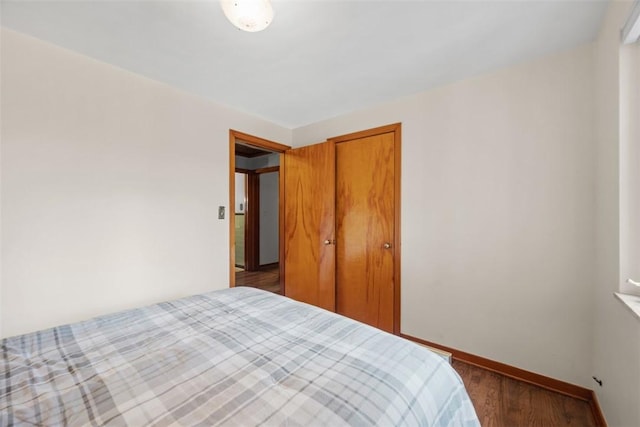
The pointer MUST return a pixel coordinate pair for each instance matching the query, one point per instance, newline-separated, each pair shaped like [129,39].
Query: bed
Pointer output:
[238,356]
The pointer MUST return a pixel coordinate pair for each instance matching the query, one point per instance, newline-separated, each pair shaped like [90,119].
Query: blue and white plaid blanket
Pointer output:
[233,357]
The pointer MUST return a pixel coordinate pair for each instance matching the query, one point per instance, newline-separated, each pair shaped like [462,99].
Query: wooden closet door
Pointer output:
[365,207]
[309,237]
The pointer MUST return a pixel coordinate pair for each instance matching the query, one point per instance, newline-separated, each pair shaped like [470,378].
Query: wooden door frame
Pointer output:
[235,137]
[396,128]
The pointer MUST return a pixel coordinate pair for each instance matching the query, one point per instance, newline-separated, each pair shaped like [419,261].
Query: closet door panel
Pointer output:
[309,209]
[365,229]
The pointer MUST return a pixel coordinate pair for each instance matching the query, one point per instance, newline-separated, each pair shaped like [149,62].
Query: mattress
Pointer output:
[238,356]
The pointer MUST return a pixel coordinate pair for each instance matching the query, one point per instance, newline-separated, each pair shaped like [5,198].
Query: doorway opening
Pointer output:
[256,220]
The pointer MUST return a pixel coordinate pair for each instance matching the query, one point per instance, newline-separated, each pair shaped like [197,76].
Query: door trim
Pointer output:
[396,129]
[252,223]
[236,136]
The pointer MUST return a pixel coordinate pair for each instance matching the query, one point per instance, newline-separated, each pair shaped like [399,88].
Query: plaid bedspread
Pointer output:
[233,357]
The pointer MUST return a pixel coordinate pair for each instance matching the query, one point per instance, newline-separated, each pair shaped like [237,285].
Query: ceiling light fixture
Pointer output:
[248,15]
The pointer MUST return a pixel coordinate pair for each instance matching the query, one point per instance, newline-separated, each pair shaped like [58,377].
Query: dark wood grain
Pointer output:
[266,278]
[503,401]
[252,224]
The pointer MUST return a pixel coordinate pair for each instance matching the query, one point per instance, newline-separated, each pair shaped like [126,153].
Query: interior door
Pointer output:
[365,229]
[309,215]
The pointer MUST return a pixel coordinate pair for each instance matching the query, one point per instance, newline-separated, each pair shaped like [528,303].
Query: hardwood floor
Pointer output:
[501,401]
[267,278]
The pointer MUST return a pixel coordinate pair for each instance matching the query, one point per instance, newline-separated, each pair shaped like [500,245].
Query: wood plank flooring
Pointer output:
[267,278]
[504,402]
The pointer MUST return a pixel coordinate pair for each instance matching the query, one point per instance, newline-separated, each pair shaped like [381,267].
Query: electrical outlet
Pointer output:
[220,212]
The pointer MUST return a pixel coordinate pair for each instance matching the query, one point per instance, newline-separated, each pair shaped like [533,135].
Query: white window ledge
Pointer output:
[631,301]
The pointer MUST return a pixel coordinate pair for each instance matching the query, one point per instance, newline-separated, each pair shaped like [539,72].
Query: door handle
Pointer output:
[329,242]
[387,245]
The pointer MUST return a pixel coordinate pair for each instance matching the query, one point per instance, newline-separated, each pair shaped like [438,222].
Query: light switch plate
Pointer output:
[220,212]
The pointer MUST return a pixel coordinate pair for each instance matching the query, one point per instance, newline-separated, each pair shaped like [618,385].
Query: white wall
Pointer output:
[110,187]
[253,163]
[498,212]
[617,332]
[240,192]
[269,219]
[243,162]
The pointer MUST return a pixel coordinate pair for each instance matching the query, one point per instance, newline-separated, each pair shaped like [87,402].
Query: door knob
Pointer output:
[387,245]
[329,242]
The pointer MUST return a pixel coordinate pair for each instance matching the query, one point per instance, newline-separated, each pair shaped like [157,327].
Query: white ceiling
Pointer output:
[318,59]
